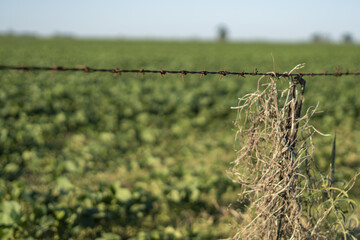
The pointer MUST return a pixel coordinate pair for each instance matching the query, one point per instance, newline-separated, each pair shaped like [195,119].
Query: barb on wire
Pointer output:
[182,73]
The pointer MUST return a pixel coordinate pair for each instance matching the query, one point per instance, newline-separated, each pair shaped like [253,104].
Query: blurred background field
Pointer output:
[118,157]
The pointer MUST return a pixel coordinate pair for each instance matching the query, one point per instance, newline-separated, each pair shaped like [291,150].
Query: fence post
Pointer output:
[291,129]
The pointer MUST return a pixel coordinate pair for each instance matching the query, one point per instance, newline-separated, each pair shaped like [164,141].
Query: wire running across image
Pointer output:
[86,69]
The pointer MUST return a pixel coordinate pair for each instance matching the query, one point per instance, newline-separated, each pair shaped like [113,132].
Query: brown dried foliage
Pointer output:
[287,197]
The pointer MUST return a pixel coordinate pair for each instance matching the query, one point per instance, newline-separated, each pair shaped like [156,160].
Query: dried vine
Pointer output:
[276,169]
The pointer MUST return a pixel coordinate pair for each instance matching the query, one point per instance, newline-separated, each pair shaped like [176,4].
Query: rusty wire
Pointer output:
[86,69]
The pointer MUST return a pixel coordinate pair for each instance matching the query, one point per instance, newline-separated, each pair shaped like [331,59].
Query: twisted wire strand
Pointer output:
[87,69]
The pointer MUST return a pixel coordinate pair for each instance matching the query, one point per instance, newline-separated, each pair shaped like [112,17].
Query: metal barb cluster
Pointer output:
[181,72]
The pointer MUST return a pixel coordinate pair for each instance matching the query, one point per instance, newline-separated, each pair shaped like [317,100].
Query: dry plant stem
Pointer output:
[270,155]
[287,197]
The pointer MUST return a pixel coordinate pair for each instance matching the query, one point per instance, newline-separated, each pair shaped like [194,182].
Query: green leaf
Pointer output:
[174,195]
[63,183]
[70,166]
[10,213]
[109,236]
[155,235]
[6,233]
[11,168]
[59,214]
[137,207]
[195,194]
[123,194]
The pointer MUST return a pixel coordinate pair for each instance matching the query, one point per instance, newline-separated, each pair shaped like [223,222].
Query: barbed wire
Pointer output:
[86,69]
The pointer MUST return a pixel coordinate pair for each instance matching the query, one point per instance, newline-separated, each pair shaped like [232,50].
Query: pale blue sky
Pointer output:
[276,20]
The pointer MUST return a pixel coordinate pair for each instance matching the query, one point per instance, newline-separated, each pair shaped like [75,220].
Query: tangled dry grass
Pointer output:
[287,197]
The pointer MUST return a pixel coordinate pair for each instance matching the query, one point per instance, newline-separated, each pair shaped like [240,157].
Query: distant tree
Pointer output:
[320,38]
[9,33]
[316,38]
[222,33]
[347,38]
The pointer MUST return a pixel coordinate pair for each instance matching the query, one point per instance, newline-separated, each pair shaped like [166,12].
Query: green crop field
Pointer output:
[87,156]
